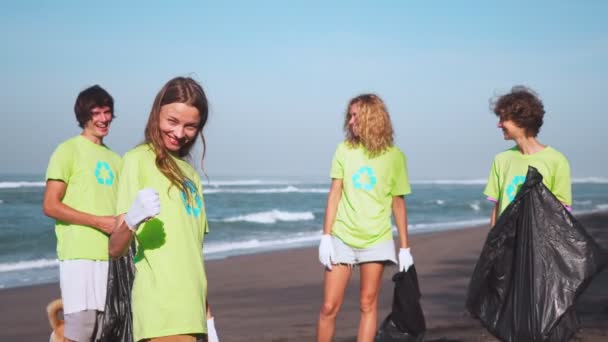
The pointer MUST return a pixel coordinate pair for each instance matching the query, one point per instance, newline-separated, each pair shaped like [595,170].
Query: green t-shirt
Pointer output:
[509,171]
[170,286]
[368,186]
[90,172]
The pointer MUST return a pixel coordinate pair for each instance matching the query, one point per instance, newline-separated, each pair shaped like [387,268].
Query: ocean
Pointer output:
[250,216]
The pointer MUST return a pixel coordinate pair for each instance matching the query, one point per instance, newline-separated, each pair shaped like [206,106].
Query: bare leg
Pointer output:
[334,286]
[371,275]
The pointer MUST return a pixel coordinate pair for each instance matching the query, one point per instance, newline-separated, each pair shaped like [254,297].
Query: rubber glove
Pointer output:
[326,251]
[145,206]
[405,259]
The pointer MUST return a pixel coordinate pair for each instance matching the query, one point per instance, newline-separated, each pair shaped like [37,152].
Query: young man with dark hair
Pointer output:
[81,182]
[520,116]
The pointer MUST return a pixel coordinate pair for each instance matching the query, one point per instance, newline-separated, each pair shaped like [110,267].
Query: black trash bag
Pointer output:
[406,320]
[535,263]
[117,325]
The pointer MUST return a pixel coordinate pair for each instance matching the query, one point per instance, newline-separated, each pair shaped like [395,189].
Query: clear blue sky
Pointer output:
[279,73]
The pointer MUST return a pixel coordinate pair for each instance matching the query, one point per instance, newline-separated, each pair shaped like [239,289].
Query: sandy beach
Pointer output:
[276,296]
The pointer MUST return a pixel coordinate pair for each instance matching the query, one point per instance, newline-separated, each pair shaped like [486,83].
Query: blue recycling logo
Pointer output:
[364,178]
[513,188]
[104,173]
[198,201]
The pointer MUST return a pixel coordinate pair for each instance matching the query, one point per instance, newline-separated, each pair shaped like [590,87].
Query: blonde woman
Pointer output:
[369,181]
[160,203]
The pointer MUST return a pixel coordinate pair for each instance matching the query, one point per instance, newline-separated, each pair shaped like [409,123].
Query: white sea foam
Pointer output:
[26,265]
[452,181]
[475,206]
[245,182]
[269,217]
[599,208]
[483,181]
[13,185]
[287,189]
[590,180]
[602,206]
[422,227]
[253,244]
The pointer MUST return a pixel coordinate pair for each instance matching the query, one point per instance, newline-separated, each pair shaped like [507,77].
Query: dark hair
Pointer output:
[522,106]
[90,98]
[177,90]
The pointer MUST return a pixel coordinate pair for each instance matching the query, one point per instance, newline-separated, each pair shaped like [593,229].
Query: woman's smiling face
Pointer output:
[178,125]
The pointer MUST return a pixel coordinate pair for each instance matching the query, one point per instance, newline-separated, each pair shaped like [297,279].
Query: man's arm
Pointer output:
[54,208]
[120,238]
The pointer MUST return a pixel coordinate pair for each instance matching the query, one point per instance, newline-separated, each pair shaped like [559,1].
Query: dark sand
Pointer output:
[276,296]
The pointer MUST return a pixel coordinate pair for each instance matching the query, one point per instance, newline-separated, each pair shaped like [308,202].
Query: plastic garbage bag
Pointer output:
[406,320]
[536,261]
[117,323]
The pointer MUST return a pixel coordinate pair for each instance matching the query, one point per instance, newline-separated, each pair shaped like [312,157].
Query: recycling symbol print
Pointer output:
[104,173]
[198,202]
[513,188]
[364,178]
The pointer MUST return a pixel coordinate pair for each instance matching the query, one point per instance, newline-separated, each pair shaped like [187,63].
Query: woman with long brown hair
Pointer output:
[160,204]
[369,180]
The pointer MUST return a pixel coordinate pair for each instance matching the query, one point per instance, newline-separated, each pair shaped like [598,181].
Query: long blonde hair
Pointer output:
[178,90]
[374,122]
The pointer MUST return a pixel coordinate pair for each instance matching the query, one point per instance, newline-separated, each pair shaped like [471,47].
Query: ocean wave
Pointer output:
[13,185]
[245,182]
[242,246]
[590,180]
[26,265]
[420,227]
[475,206]
[602,206]
[585,180]
[451,182]
[270,217]
[599,208]
[287,189]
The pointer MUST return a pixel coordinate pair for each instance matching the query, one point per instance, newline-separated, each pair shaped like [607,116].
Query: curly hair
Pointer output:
[374,122]
[522,106]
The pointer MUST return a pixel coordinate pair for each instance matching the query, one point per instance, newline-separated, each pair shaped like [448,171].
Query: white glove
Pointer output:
[405,259]
[326,251]
[211,332]
[145,206]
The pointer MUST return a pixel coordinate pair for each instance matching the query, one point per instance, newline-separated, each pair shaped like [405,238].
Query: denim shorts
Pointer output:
[383,252]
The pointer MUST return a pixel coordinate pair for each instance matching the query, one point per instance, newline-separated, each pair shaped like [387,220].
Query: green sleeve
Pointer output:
[337,164]
[128,184]
[61,164]
[401,183]
[562,183]
[492,189]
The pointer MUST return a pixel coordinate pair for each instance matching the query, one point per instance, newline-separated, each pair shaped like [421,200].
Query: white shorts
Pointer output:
[83,326]
[83,285]
[383,252]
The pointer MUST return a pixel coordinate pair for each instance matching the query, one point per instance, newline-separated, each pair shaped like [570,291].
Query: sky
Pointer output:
[278,75]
